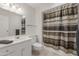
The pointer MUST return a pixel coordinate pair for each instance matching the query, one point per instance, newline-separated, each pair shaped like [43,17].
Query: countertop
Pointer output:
[15,40]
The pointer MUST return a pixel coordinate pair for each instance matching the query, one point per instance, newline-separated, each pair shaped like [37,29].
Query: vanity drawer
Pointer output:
[6,51]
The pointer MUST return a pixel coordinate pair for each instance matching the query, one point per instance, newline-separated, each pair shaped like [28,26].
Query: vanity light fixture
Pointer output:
[12,6]
[6,4]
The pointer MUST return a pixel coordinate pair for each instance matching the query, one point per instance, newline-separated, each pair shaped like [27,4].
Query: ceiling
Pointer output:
[40,5]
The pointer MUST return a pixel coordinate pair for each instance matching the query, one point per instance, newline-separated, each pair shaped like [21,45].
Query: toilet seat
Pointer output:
[37,46]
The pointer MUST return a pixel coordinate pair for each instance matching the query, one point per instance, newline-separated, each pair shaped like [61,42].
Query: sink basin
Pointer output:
[5,41]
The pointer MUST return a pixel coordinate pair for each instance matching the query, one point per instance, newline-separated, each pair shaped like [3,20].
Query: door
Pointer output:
[4,25]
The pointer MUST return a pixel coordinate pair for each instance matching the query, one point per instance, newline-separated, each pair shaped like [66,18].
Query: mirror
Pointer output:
[11,23]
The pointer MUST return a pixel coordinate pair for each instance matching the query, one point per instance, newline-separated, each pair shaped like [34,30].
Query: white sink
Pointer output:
[6,41]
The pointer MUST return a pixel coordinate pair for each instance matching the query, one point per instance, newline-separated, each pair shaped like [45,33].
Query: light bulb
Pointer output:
[19,9]
[23,16]
[14,7]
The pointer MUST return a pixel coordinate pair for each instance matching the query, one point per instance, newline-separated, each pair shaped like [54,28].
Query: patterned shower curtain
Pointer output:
[59,27]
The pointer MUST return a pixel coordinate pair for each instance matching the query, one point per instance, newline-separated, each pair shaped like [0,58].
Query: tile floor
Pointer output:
[47,51]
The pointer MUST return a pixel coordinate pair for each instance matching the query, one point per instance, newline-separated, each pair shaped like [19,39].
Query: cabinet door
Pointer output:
[15,53]
[27,51]
[16,50]
[4,25]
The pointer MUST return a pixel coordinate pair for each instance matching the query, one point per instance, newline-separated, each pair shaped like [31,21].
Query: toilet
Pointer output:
[36,46]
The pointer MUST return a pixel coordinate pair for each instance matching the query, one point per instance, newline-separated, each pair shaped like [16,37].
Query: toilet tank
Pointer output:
[34,39]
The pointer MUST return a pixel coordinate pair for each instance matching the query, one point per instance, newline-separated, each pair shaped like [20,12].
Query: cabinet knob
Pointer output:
[7,30]
[7,50]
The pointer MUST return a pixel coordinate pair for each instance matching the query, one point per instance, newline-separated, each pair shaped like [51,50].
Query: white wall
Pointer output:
[39,19]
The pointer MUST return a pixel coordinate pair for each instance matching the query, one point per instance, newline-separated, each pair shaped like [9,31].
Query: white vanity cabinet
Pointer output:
[22,48]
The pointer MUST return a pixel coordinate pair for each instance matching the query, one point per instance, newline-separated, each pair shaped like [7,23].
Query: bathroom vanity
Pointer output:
[19,47]
[13,27]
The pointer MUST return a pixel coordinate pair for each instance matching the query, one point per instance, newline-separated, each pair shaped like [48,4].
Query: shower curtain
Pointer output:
[59,27]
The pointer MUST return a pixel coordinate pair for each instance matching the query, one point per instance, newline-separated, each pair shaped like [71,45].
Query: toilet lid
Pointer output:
[37,45]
